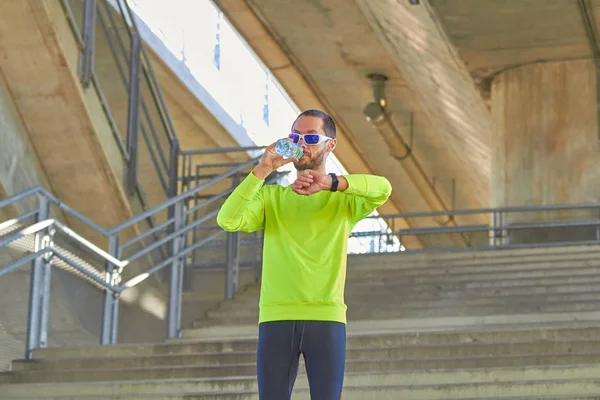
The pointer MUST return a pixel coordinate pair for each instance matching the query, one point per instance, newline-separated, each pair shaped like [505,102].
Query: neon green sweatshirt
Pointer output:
[306,240]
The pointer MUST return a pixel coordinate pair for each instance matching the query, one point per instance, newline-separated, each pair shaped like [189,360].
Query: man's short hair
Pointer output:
[328,122]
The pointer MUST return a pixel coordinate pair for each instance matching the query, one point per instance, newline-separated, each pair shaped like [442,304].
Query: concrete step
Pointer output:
[521,270]
[249,369]
[485,279]
[393,379]
[395,261]
[434,309]
[462,281]
[387,294]
[423,325]
[461,304]
[416,351]
[495,275]
[379,333]
[356,314]
[477,257]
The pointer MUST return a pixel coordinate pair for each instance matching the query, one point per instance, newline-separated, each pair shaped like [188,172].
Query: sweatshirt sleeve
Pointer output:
[367,192]
[244,209]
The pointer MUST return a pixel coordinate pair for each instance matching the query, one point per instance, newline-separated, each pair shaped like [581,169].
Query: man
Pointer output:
[306,225]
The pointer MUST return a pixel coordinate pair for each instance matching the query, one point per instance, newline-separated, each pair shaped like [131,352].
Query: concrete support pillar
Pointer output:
[545,144]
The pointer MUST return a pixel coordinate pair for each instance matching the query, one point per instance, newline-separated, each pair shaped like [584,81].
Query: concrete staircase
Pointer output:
[501,349]
[446,284]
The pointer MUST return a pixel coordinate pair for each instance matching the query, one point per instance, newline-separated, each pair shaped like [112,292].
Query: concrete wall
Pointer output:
[19,170]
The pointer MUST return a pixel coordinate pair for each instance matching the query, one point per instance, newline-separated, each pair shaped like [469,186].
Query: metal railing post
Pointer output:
[255,257]
[176,278]
[504,233]
[86,57]
[598,231]
[133,114]
[233,259]
[39,292]
[494,231]
[110,314]
[233,265]
[173,168]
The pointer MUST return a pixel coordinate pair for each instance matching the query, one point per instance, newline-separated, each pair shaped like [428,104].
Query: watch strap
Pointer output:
[334,182]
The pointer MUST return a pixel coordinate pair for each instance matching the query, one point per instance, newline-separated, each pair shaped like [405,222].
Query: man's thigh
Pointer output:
[323,345]
[277,359]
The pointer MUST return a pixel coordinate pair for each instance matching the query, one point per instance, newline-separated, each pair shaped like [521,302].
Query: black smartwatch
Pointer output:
[334,182]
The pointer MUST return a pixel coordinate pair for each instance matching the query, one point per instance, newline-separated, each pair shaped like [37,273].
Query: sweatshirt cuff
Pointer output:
[357,185]
[248,188]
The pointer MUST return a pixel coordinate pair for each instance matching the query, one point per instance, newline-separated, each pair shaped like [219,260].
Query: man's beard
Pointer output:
[314,163]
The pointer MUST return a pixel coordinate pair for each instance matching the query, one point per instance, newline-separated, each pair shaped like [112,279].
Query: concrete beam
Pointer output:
[426,57]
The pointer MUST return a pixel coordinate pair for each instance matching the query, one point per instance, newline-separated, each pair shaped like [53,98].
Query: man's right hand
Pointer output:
[269,162]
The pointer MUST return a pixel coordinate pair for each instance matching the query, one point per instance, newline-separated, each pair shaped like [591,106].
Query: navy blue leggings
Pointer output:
[321,343]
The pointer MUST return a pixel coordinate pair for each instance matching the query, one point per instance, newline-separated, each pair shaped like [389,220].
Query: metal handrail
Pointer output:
[511,209]
[172,201]
[478,228]
[46,227]
[40,190]
[219,150]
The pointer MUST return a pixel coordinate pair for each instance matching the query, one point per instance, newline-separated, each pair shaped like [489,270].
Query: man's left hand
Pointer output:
[311,182]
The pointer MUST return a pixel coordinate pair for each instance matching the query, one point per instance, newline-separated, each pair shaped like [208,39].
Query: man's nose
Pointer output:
[302,144]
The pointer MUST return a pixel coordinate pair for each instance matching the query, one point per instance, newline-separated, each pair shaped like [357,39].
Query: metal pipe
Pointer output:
[43,192]
[36,289]
[210,201]
[182,196]
[69,232]
[20,196]
[35,228]
[58,254]
[107,334]
[400,151]
[173,169]
[155,87]
[175,287]
[223,150]
[232,256]
[15,221]
[111,119]
[183,230]
[377,114]
[141,277]
[521,209]
[477,228]
[72,23]
[147,233]
[29,258]
[46,282]
[133,115]
[86,57]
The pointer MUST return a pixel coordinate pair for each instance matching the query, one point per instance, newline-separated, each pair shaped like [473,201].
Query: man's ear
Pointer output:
[331,145]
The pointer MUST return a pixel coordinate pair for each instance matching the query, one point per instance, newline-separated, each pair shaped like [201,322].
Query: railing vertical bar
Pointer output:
[156,87]
[111,300]
[175,298]
[233,249]
[124,54]
[86,57]
[133,115]
[36,290]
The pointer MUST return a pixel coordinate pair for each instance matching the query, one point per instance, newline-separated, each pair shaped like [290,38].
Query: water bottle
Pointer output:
[288,149]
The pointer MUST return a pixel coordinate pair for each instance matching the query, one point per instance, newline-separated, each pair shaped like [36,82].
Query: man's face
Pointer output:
[314,155]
